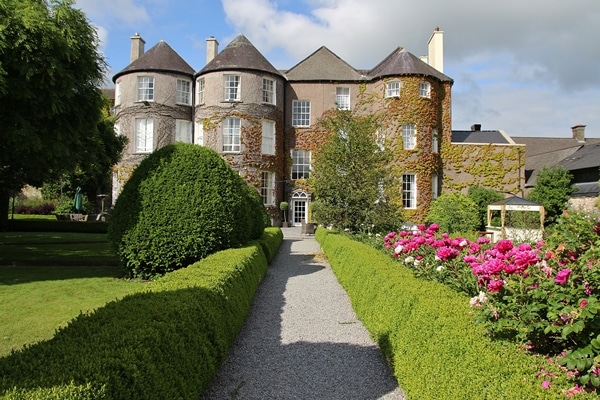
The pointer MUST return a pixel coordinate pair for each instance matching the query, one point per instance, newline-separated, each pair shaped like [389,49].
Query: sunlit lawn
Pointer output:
[72,273]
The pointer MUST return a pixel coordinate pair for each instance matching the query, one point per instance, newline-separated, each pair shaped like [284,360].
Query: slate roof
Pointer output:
[515,201]
[544,151]
[323,65]
[401,62]
[240,54]
[586,189]
[480,137]
[160,58]
[587,156]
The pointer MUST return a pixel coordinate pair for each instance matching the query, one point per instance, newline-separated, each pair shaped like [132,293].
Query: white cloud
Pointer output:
[529,67]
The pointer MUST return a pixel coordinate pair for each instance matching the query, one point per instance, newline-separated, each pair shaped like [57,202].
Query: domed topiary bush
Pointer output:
[182,203]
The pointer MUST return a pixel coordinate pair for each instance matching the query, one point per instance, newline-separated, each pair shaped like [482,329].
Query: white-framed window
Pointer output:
[380,138]
[392,89]
[232,129]
[117,93]
[145,88]
[434,186]
[301,113]
[409,136]
[144,135]
[200,91]
[300,164]
[199,133]
[435,146]
[183,131]
[409,191]
[425,89]
[267,188]
[268,137]
[231,87]
[184,92]
[342,98]
[269,91]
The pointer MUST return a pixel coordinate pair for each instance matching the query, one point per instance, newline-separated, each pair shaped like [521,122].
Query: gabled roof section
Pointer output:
[588,156]
[401,62]
[323,65]
[240,54]
[481,137]
[161,58]
[514,201]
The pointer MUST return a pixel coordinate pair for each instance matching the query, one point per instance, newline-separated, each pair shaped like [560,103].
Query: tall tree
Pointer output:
[50,104]
[552,190]
[348,175]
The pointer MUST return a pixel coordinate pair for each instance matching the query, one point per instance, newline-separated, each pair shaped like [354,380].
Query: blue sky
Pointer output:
[531,68]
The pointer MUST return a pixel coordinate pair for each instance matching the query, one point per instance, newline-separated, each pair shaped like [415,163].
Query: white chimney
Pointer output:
[212,48]
[436,50]
[579,133]
[137,47]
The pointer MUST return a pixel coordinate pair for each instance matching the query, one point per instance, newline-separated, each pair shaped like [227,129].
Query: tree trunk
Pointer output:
[4,203]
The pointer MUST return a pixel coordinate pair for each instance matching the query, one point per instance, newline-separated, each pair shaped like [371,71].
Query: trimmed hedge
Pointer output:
[182,203]
[165,343]
[427,333]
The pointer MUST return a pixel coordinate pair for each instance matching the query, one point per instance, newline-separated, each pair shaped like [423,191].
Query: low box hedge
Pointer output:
[428,335]
[167,342]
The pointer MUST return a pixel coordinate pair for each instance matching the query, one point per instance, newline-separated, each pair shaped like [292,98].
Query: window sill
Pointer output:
[231,101]
[264,103]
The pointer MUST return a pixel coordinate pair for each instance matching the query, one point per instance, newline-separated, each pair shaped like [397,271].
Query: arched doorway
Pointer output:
[299,207]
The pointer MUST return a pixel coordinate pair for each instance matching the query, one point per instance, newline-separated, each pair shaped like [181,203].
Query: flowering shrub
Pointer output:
[543,295]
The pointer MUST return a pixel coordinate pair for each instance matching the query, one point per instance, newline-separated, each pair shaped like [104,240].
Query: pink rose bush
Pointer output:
[544,295]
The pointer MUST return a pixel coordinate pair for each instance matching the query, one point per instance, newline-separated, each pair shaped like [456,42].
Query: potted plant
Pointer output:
[283,206]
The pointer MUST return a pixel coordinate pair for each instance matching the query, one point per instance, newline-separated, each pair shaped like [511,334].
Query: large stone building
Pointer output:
[264,121]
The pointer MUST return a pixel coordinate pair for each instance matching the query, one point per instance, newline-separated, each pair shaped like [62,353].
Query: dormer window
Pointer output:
[231,86]
[425,89]
[145,88]
[392,89]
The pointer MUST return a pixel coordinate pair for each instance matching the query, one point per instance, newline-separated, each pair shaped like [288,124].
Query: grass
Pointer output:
[47,279]
[60,248]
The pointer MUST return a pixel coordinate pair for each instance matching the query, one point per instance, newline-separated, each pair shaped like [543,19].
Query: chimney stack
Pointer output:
[137,47]
[476,128]
[579,133]
[436,50]
[212,48]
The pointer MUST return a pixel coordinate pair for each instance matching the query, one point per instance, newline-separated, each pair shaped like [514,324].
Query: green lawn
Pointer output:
[47,279]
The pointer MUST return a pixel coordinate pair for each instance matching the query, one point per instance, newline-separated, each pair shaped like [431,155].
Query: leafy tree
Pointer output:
[483,197]
[552,190]
[92,173]
[454,213]
[50,72]
[348,176]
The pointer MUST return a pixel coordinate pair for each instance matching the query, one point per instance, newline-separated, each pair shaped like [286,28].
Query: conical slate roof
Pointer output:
[323,65]
[161,58]
[401,62]
[240,54]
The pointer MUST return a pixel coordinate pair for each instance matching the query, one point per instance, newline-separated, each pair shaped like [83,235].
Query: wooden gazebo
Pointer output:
[514,203]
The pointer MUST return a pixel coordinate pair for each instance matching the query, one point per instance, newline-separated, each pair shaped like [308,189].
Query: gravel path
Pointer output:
[302,339]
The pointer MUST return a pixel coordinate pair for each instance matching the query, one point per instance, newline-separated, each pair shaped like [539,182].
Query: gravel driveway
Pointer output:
[302,339]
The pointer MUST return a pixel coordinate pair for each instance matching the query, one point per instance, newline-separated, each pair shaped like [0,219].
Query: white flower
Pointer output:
[398,249]
[437,258]
[440,268]
[478,300]
[409,260]
[463,243]
[417,262]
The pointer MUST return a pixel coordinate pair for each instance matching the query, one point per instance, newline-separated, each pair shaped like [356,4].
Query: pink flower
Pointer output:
[447,253]
[495,286]
[421,227]
[583,303]
[434,227]
[562,276]
[504,245]
[546,384]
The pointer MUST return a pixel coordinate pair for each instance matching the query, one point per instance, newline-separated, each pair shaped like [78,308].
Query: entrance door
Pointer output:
[299,208]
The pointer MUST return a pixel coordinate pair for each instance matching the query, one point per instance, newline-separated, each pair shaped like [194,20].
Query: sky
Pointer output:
[528,67]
